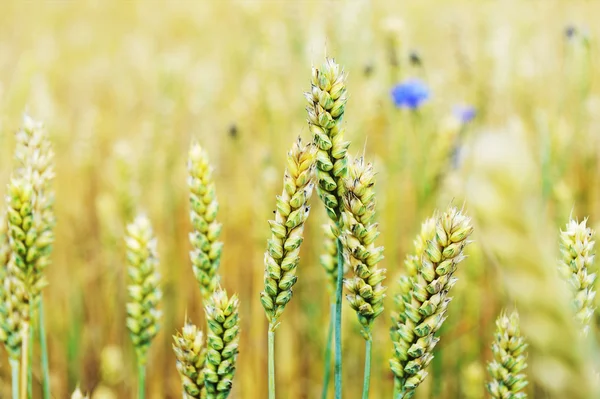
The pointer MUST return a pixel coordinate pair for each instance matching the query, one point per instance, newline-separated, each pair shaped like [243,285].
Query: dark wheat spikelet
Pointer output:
[144,293]
[283,248]
[206,254]
[190,353]
[222,346]
[509,359]
[358,240]
[425,307]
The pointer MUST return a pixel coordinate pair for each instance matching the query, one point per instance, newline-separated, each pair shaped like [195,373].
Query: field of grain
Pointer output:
[124,88]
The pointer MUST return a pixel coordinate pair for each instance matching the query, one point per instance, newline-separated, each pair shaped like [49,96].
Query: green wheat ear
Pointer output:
[143,315]
[222,346]
[509,361]
[577,249]
[191,354]
[366,291]
[283,248]
[425,306]
[207,248]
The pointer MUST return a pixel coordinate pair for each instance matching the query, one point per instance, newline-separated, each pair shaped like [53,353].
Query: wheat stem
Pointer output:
[141,381]
[327,374]
[44,354]
[30,357]
[338,322]
[367,377]
[271,337]
[14,366]
[24,359]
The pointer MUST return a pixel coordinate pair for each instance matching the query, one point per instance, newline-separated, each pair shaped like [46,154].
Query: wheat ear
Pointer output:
[283,248]
[143,315]
[577,249]
[509,359]
[425,309]
[77,394]
[222,346]
[206,253]
[190,353]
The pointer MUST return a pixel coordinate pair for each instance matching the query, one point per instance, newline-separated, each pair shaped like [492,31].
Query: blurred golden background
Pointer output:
[123,87]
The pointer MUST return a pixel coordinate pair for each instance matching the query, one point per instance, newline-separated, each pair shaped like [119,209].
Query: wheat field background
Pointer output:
[124,87]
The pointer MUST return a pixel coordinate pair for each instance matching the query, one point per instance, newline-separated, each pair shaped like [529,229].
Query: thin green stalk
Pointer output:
[44,354]
[30,356]
[338,322]
[367,378]
[141,381]
[396,387]
[327,374]
[271,363]
[14,365]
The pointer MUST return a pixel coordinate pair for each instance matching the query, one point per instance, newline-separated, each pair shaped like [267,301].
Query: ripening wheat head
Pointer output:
[577,248]
[326,104]
[206,254]
[283,248]
[425,307]
[222,346]
[13,299]
[144,292]
[509,359]
[190,353]
[30,243]
[358,240]
[411,264]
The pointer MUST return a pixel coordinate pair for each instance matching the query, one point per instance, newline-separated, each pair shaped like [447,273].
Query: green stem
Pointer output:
[338,322]
[367,378]
[396,387]
[327,373]
[14,366]
[271,362]
[141,381]
[44,354]
[30,356]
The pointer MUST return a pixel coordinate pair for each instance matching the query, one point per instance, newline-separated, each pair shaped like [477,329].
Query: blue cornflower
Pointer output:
[410,94]
[464,113]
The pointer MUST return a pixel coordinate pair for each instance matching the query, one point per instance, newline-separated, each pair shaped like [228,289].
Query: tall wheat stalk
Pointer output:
[366,291]
[283,248]
[326,105]
[143,315]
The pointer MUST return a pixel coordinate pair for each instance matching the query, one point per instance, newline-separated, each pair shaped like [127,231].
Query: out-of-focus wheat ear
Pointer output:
[190,353]
[329,258]
[206,253]
[287,231]
[577,249]
[426,305]
[143,316]
[509,362]
[366,289]
[222,343]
